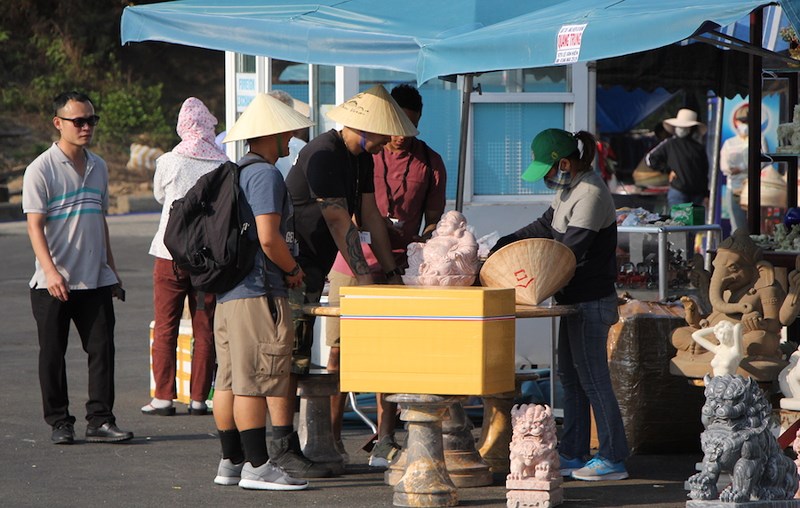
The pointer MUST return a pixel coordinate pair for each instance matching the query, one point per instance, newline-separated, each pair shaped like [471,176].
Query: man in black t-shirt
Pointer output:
[332,191]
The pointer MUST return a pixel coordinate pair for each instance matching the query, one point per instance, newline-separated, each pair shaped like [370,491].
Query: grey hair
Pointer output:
[283,97]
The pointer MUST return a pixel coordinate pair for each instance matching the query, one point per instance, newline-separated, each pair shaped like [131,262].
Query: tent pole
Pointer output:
[720,110]
[466,92]
[754,120]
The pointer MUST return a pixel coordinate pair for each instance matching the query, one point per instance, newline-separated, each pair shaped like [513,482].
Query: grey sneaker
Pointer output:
[228,473]
[384,452]
[268,476]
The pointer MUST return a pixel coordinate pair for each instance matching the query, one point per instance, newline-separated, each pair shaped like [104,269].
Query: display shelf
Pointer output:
[713,234]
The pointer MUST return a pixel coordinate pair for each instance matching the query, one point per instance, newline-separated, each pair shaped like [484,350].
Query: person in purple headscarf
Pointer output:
[176,173]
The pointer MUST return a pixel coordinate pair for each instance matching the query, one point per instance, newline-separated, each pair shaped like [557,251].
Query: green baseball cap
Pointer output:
[549,147]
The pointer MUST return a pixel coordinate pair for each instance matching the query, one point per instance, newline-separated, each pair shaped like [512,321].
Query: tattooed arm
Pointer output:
[345,234]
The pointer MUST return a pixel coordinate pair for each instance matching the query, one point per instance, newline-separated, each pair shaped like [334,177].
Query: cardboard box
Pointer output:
[434,340]
[688,214]
[183,370]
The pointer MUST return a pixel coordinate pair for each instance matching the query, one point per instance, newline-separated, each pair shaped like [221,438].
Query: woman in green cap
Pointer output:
[582,216]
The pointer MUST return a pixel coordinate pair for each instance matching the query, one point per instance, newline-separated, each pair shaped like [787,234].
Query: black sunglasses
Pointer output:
[80,122]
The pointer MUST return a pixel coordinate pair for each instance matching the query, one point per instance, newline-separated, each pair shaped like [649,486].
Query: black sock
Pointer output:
[282,431]
[255,445]
[231,445]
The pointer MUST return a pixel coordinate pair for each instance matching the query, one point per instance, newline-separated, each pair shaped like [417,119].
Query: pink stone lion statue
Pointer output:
[533,443]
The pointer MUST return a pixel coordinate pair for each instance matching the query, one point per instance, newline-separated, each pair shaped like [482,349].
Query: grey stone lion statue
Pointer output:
[737,440]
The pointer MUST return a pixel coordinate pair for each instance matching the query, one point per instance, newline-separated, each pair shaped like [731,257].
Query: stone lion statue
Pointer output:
[533,443]
[738,440]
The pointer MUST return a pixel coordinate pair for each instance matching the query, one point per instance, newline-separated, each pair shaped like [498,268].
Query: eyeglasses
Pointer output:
[80,122]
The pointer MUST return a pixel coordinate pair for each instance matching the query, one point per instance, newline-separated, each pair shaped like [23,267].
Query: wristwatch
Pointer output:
[392,273]
[294,271]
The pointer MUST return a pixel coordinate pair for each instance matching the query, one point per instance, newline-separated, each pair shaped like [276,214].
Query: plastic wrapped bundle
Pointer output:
[661,412]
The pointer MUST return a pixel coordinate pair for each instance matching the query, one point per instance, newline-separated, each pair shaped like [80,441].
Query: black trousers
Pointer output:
[93,314]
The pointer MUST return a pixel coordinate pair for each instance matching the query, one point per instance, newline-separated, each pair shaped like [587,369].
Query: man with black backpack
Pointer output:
[253,322]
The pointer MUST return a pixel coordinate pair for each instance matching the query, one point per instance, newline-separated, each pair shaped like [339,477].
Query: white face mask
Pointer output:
[682,132]
[742,129]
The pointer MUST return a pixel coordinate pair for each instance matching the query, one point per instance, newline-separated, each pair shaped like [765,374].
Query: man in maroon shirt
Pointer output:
[410,181]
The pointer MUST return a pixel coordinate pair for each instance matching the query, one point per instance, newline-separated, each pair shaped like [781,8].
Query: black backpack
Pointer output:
[207,232]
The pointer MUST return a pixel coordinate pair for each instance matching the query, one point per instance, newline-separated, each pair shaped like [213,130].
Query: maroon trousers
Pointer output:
[169,291]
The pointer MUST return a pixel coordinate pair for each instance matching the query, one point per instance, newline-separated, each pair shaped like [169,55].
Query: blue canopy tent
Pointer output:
[431,39]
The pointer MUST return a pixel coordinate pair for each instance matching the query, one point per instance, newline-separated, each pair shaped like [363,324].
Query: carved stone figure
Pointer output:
[449,258]
[737,440]
[533,443]
[796,448]
[742,290]
[728,350]
[789,134]
[789,381]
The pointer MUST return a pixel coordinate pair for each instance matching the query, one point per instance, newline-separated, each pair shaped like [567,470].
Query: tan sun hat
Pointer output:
[266,115]
[536,268]
[374,111]
[685,118]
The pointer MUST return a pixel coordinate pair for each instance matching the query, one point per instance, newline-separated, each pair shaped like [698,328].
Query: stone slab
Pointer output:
[787,418]
[788,503]
[534,498]
[137,203]
[11,212]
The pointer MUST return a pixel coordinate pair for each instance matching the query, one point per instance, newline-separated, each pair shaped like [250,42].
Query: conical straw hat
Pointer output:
[264,116]
[374,111]
[536,268]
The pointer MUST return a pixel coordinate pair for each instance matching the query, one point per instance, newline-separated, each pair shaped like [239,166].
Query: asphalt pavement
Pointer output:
[172,460]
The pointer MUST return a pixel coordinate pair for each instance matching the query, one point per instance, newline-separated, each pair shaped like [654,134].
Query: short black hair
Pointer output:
[407,97]
[61,100]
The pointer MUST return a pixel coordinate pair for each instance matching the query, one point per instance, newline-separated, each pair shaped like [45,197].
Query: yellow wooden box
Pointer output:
[435,340]
[183,360]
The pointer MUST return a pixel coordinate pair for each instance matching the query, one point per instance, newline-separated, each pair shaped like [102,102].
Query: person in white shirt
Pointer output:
[733,158]
[296,143]
[176,172]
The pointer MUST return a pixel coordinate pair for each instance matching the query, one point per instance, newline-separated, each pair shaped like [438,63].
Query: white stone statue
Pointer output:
[789,381]
[449,258]
[728,352]
[789,134]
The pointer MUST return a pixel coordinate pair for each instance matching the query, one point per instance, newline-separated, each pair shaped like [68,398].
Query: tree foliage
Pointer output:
[50,46]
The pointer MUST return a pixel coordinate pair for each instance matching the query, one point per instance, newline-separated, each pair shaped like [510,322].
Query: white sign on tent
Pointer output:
[568,43]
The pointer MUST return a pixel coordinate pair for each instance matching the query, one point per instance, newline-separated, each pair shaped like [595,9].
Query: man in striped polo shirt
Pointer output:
[65,198]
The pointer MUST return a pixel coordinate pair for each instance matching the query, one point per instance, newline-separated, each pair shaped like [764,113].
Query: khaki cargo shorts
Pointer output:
[254,339]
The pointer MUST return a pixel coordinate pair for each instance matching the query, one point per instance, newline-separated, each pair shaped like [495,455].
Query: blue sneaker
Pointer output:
[599,469]
[570,465]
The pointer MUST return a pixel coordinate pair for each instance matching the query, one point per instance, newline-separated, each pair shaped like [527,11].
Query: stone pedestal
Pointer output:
[534,493]
[788,503]
[425,481]
[314,428]
[464,464]
[787,418]
[496,431]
